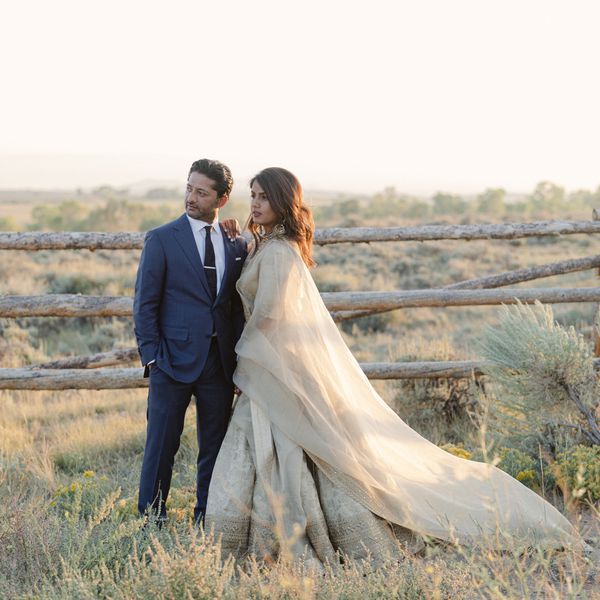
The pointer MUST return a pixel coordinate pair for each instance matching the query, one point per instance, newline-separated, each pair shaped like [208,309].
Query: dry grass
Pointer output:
[70,463]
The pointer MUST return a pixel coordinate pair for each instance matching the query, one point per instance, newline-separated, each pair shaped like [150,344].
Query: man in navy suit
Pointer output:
[188,318]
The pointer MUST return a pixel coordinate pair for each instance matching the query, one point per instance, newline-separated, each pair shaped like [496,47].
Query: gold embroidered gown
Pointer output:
[314,459]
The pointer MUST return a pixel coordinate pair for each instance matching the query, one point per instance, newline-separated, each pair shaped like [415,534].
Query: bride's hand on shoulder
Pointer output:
[232,228]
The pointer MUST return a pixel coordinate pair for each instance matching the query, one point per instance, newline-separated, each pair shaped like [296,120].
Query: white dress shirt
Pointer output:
[218,244]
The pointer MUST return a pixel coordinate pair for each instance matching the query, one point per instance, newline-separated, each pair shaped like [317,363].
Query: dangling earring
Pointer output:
[278,230]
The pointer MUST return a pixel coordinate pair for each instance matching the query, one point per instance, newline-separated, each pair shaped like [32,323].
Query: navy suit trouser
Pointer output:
[167,402]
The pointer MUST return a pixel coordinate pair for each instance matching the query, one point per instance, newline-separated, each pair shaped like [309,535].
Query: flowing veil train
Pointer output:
[304,394]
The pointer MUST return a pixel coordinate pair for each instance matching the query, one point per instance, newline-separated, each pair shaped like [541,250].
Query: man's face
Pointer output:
[201,201]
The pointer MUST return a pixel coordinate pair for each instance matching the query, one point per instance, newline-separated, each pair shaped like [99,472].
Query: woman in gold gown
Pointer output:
[314,461]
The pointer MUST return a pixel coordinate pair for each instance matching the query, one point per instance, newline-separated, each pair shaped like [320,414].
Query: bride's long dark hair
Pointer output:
[284,193]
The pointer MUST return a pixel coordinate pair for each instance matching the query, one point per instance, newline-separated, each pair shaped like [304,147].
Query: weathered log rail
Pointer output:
[71,240]
[65,305]
[71,379]
[500,280]
[105,379]
[562,267]
[108,379]
[335,235]
[423,233]
[75,305]
[92,361]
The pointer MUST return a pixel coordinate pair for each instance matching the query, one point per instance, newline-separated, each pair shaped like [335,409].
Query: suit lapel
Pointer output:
[184,236]
[229,248]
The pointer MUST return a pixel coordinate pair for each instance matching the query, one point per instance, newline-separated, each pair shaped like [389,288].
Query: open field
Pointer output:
[70,461]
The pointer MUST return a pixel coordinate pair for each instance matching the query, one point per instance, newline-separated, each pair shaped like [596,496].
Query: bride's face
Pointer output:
[260,208]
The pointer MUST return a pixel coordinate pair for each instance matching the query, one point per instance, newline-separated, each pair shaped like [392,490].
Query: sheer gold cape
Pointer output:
[294,365]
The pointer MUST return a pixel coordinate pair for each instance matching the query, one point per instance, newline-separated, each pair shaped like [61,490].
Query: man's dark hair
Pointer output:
[216,171]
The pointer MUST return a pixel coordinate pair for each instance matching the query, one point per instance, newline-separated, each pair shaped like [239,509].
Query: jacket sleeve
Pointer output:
[148,295]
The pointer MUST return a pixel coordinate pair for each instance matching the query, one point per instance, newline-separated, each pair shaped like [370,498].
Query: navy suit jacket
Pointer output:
[173,313]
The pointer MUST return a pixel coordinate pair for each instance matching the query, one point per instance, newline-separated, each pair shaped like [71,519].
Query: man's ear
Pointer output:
[222,201]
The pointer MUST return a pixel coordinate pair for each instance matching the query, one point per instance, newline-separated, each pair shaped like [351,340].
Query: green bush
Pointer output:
[8,224]
[580,468]
[67,216]
[113,215]
[449,204]
[81,497]
[370,323]
[535,473]
[442,410]
[545,371]
[74,284]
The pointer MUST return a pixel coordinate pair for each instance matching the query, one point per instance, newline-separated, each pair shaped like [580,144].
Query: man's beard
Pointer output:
[207,215]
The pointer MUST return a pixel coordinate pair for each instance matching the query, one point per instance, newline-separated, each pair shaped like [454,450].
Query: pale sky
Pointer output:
[426,95]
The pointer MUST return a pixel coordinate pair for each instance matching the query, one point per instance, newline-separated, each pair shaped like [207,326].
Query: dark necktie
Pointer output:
[210,268]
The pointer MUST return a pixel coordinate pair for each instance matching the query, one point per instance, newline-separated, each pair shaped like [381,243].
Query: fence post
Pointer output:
[596,327]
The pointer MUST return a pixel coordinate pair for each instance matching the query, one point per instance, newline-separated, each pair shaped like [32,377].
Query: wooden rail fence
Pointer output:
[90,372]
[335,235]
